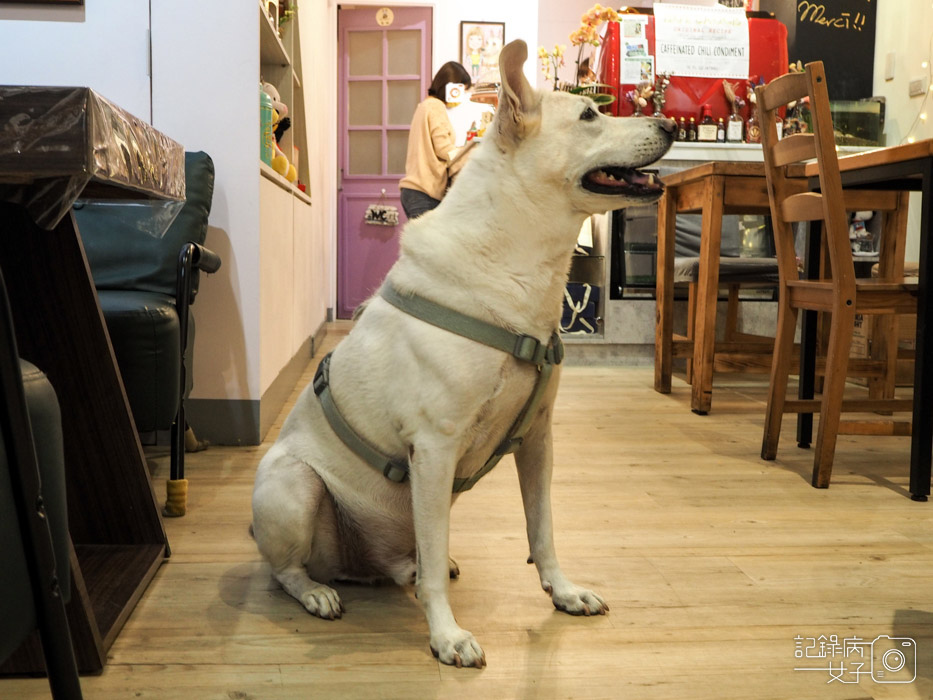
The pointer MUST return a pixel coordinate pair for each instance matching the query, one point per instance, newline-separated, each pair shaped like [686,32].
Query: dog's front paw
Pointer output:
[578,601]
[459,649]
[322,601]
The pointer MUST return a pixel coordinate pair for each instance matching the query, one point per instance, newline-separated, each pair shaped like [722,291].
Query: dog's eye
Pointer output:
[589,114]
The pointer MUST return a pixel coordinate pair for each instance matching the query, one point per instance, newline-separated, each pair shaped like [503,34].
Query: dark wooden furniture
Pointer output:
[34,543]
[839,293]
[56,145]
[713,190]
[903,167]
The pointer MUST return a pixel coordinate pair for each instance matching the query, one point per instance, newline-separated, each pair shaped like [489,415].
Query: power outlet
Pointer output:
[916,87]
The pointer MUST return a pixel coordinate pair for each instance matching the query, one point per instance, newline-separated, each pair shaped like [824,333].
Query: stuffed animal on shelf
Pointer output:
[280,124]
[860,238]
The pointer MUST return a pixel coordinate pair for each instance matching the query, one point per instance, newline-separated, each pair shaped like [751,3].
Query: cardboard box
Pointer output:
[906,340]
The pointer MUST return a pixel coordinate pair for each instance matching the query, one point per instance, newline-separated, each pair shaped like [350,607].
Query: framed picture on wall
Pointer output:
[480,44]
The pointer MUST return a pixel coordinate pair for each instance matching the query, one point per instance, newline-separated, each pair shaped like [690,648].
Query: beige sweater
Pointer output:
[431,147]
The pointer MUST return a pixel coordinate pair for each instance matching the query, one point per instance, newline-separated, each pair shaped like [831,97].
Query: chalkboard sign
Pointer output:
[841,33]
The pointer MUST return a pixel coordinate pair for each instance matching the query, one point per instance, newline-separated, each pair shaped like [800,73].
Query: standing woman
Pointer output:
[431,145]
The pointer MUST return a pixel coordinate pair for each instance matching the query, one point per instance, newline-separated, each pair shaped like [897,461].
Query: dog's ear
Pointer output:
[519,103]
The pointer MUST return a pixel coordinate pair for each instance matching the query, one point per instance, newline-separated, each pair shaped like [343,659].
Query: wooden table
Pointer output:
[713,189]
[58,144]
[905,167]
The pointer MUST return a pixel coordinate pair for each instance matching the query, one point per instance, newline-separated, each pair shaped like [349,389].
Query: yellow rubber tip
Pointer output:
[176,498]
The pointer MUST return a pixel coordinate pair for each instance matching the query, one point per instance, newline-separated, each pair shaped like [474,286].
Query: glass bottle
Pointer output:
[692,130]
[682,130]
[753,127]
[706,129]
[720,131]
[735,129]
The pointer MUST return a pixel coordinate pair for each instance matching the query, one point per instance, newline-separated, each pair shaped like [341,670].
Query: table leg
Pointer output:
[664,292]
[704,336]
[921,439]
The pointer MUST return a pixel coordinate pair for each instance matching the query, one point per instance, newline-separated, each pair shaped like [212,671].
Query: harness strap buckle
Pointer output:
[395,471]
[322,375]
[555,350]
[528,349]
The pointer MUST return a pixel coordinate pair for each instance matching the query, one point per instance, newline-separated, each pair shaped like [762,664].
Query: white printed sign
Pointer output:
[701,41]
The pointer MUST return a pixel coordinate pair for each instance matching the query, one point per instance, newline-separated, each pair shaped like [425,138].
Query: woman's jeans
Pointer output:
[415,203]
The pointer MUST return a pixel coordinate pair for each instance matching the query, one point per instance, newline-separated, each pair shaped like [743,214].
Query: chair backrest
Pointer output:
[828,205]
[123,256]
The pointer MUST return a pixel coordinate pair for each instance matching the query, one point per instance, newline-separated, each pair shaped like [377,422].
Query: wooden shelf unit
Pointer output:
[280,64]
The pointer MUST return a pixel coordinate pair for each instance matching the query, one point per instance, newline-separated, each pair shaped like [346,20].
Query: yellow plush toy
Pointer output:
[280,123]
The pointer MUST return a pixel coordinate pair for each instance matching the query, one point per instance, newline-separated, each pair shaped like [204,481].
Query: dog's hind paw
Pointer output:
[322,601]
[579,601]
[460,650]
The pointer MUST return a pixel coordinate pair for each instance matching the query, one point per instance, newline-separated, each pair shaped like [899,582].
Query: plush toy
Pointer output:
[280,124]
[860,238]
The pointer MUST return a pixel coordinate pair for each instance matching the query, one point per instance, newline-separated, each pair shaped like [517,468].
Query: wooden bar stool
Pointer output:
[839,293]
[713,190]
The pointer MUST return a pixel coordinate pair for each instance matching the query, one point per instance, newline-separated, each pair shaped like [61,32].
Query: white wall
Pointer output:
[186,107]
[906,29]
[318,29]
[520,17]
[63,46]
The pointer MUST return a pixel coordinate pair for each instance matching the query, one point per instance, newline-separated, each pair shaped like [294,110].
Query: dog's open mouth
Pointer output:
[622,181]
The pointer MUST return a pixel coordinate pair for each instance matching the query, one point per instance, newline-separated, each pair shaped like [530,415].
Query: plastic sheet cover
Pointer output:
[61,143]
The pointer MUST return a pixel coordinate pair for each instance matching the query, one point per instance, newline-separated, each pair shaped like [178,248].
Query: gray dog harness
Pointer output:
[522,347]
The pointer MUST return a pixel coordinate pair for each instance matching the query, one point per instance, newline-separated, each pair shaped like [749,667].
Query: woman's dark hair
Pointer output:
[450,72]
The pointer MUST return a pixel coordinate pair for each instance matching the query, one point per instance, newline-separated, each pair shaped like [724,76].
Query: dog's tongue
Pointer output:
[634,177]
[621,176]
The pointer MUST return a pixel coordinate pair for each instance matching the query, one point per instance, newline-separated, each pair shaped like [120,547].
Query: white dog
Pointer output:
[498,248]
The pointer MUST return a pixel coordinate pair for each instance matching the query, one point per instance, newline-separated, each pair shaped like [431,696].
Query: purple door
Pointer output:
[384,72]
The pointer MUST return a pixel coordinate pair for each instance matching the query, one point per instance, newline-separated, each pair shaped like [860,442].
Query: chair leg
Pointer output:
[691,324]
[780,370]
[842,326]
[176,488]
[732,312]
[664,295]
[704,344]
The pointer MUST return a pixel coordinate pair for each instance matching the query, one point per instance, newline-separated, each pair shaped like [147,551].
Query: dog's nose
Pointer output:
[668,125]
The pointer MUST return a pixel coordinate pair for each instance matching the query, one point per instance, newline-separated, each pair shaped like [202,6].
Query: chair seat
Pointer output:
[731,270]
[145,333]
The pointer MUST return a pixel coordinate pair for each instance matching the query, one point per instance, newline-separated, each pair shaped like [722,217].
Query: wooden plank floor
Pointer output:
[712,562]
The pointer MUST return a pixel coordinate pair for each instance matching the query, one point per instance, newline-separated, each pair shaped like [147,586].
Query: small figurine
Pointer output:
[659,97]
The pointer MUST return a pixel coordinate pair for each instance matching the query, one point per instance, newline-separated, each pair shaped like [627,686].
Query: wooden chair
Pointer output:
[839,293]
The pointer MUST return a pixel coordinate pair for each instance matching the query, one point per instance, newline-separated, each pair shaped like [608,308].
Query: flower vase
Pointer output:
[609,66]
